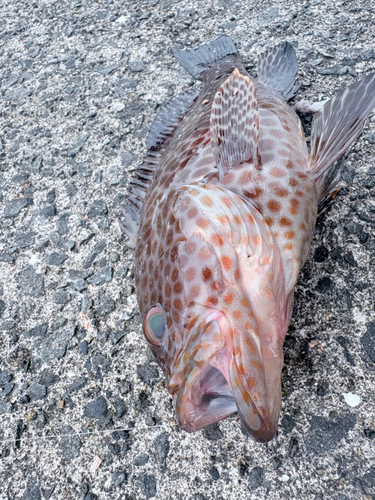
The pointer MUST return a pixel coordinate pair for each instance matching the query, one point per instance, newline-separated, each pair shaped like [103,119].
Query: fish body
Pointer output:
[221,217]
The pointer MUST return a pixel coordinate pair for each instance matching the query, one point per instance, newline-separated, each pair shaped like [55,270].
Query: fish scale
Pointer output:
[221,215]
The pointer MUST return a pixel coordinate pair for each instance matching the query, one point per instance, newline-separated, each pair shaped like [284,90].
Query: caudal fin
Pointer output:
[197,61]
[335,128]
[277,69]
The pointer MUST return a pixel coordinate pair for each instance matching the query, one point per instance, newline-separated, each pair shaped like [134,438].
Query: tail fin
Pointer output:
[197,61]
[336,127]
[277,69]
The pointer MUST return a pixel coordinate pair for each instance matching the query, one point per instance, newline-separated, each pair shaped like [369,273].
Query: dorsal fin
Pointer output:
[234,123]
[161,132]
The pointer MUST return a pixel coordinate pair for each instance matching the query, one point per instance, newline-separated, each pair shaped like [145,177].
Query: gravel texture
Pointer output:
[84,413]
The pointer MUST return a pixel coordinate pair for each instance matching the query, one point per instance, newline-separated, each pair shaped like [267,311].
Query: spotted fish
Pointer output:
[221,215]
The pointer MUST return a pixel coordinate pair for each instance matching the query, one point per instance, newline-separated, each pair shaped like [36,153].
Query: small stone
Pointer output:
[84,347]
[61,297]
[78,384]
[37,391]
[98,208]
[324,285]
[106,305]
[96,251]
[70,444]
[7,389]
[47,211]
[37,331]
[321,254]
[256,478]
[13,207]
[107,70]
[5,408]
[79,284]
[32,491]
[147,484]
[5,377]
[293,447]
[120,408]
[24,240]
[127,158]
[141,459]
[96,409]
[104,276]
[30,282]
[369,433]
[334,70]
[48,378]
[147,373]
[56,259]
[86,304]
[150,421]
[287,423]
[351,399]
[136,66]
[368,342]
[118,477]
[214,473]
[368,54]
[213,432]
[2,308]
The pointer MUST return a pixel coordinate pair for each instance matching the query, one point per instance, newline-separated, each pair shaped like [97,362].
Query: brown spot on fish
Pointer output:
[178,287]
[202,222]
[212,300]
[294,204]
[192,213]
[274,206]
[245,178]
[226,262]
[229,298]
[278,172]
[168,290]
[293,182]
[207,201]
[207,274]
[284,221]
[177,303]
[217,240]
[176,316]
[289,235]
[288,246]
[237,314]
[282,193]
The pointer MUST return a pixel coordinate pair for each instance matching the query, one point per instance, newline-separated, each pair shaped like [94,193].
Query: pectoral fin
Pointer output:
[234,123]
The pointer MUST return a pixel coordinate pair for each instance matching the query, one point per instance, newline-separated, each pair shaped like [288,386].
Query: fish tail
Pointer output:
[277,69]
[197,61]
[334,130]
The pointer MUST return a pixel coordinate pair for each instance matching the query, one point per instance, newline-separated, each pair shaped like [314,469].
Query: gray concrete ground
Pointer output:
[84,411]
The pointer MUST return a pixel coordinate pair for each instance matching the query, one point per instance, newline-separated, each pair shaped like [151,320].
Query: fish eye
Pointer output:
[155,325]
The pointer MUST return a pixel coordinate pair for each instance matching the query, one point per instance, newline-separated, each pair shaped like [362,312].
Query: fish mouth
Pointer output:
[216,393]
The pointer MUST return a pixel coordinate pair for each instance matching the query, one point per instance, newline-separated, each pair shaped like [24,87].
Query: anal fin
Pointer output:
[234,125]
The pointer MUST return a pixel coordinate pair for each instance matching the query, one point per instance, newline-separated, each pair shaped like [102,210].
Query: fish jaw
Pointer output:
[215,384]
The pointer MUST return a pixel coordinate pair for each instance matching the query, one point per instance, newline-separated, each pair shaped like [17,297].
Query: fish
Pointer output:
[221,215]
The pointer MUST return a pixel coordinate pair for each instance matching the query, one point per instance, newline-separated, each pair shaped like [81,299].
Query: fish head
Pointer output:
[216,316]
